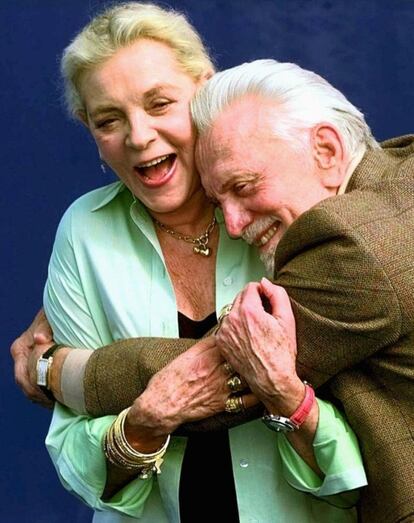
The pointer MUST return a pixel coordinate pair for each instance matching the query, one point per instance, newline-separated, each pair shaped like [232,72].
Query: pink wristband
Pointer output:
[302,412]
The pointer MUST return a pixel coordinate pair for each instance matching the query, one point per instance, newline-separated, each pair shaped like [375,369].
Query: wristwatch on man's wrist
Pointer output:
[282,424]
[43,369]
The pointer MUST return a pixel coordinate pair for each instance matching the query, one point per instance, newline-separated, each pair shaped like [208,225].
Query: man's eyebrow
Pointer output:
[231,177]
[228,183]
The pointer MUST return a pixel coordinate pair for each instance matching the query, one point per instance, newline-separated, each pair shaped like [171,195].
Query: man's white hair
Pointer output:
[304,99]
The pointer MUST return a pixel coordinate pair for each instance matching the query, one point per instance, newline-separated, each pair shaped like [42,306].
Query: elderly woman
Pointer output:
[149,256]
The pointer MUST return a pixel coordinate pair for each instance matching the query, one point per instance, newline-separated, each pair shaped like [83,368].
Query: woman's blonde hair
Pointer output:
[120,26]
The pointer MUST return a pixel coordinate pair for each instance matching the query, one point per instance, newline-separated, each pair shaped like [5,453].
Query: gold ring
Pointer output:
[228,368]
[234,405]
[224,311]
[235,384]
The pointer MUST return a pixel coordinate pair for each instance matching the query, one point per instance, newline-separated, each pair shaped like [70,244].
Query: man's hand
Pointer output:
[29,346]
[258,338]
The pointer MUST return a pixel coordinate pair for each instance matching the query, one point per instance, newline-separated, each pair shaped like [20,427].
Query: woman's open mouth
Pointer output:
[158,171]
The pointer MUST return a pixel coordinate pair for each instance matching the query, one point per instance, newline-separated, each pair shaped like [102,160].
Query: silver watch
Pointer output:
[278,423]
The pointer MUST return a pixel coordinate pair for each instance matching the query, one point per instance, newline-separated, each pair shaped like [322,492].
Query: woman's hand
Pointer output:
[25,350]
[192,387]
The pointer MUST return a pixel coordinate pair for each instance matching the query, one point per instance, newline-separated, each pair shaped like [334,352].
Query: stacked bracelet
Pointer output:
[120,453]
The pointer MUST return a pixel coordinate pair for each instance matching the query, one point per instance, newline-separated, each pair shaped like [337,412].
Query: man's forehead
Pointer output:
[211,148]
[239,121]
[212,144]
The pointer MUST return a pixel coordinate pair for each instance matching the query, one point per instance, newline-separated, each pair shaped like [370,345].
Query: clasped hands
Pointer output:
[250,359]
[257,338]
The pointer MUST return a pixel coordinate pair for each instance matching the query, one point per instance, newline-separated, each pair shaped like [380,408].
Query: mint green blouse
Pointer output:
[107,281]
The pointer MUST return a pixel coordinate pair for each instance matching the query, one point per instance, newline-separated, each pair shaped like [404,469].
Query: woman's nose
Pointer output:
[141,132]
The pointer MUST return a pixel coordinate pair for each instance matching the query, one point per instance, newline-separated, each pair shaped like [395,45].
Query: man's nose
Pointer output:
[141,131]
[236,218]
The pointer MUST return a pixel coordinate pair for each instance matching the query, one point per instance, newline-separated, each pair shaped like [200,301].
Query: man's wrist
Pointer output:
[43,370]
[287,399]
[55,371]
[281,423]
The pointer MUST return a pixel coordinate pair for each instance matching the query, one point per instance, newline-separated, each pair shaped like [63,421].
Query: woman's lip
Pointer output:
[159,182]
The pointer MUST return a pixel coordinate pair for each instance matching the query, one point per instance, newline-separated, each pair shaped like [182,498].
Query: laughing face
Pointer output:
[137,109]
[260,181]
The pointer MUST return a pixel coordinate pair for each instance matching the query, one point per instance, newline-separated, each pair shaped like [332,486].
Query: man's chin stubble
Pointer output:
[268,259]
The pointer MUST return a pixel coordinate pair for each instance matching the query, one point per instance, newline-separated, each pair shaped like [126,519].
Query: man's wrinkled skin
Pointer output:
[28,347]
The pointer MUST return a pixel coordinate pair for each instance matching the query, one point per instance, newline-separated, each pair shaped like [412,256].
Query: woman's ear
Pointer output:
[205,76]
[82,116]
[329,154]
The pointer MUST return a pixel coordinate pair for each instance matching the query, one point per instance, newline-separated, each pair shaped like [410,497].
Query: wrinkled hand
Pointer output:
[25,351]
[190,388]
[261,345]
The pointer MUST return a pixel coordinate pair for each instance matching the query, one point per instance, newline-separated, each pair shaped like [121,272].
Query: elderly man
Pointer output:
[295,169]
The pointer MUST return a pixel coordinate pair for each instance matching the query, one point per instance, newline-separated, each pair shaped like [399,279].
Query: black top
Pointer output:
[207,460]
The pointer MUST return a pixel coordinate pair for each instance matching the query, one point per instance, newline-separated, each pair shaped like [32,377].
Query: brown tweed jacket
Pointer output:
[348,266]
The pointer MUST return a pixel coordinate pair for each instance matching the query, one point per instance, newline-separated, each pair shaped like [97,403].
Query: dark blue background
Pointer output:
[364,47]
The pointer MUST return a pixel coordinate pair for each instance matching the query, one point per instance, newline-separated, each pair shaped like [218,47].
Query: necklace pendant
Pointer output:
[203,251]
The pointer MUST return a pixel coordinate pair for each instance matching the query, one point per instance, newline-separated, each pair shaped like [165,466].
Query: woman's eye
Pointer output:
[160,105]
[104,124]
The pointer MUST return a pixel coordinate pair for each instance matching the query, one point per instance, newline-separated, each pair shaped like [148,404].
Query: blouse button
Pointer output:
[244,463]
[228,281]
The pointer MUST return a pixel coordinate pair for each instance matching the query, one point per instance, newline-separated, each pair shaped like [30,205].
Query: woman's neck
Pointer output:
[191,217]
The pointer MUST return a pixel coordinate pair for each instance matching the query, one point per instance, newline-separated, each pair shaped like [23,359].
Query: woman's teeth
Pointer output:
[153,162]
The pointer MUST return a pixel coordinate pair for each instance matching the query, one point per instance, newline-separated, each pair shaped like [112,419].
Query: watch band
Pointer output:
[302,412]
[282,424]
[43,368]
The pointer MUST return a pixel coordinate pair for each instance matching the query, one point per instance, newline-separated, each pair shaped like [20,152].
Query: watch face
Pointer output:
[41,369]
[278,423]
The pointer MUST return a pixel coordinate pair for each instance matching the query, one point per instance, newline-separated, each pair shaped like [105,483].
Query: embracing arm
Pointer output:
[108,380]
[345,306]
[37,335]
[322,456]
[75,442]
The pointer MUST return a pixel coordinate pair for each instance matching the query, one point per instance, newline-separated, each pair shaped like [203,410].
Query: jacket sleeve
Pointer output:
[345,305]
[74,442]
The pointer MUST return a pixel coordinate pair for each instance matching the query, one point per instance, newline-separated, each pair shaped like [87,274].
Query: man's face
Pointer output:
[262,183]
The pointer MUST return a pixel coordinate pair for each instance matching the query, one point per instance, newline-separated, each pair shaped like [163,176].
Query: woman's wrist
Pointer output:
[142,432]
[120,453]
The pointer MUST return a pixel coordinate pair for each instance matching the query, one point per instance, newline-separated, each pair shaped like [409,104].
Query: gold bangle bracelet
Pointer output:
[121,454]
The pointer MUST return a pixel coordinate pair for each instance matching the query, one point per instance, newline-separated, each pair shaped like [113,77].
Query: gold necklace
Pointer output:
[200,243]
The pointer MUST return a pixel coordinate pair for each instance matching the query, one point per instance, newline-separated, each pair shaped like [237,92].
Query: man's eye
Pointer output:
[241,188]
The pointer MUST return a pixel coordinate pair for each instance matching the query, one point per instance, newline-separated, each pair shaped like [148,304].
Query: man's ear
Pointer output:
[329,154]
